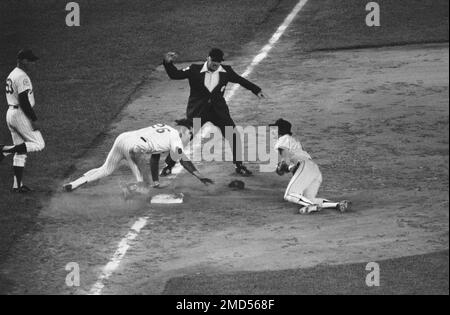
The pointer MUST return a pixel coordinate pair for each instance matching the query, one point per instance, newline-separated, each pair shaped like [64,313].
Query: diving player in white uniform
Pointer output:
[305,183]
[134,146]
[21,118]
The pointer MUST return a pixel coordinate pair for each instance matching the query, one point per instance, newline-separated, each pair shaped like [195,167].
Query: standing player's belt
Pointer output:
[14,106]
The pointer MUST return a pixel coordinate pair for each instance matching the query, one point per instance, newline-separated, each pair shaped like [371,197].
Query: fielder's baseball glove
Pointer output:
[293,168]
[282,168]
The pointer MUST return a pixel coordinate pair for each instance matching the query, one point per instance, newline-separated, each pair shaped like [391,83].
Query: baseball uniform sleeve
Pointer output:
[176,147]
[26,97]
[23,84]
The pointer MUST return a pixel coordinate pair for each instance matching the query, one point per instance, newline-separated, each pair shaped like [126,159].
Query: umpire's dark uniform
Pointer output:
[210,105]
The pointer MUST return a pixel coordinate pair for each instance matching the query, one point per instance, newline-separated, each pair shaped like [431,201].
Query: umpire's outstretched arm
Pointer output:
[174,73]
[236,78]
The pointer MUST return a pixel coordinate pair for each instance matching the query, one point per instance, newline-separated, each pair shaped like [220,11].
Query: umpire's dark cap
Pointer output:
[284,126]
[216,55]
[26,54]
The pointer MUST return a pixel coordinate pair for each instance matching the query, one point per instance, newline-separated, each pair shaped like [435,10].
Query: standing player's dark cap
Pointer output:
[216,55]
[284,126]
[26,54]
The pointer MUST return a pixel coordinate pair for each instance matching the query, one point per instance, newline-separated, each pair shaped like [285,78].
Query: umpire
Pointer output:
[206,100]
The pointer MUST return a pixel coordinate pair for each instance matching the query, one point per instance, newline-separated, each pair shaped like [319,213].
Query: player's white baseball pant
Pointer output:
[22,132]
[304,185]
[120,151]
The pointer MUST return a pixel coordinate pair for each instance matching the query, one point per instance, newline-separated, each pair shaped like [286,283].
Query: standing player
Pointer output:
[21,118]
[305,183]
[134,146]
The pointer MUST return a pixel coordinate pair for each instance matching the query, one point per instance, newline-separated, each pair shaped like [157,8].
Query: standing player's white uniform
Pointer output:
[155,139]
[305,183]
[18,123]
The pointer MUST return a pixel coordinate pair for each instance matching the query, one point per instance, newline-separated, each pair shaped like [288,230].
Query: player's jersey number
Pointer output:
[160,128]
[9,87]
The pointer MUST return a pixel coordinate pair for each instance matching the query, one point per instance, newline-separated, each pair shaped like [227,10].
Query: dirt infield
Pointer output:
[84,78]
[375,120]
[359,122]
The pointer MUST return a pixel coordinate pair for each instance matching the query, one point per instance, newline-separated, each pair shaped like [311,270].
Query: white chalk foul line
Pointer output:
[124,244]
[122,249]
[262,54]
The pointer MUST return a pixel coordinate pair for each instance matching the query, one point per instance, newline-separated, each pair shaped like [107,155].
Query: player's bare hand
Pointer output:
[206,181]
[170,57]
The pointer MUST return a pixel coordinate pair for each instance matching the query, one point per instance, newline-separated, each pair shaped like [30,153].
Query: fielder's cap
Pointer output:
[284,126]
[216,55]
[26,54]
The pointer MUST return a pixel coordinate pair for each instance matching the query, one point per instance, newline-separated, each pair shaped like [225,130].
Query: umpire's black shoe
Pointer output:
[22,190]
[166,171]
[242,170]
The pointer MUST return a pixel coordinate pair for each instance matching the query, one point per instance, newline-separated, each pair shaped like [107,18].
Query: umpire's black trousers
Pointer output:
[221,123]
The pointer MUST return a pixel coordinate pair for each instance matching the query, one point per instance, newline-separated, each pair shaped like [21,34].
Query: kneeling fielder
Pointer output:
[305,183]
[134,146]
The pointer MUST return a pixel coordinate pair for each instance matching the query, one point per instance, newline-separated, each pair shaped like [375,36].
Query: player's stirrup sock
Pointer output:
[18,173]
[19,149]
[298,199]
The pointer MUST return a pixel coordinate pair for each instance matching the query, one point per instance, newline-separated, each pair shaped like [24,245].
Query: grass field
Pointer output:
[86,75]
[402,22]
[407,275]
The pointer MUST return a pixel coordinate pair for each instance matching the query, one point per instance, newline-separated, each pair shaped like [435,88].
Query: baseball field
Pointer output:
[370,104]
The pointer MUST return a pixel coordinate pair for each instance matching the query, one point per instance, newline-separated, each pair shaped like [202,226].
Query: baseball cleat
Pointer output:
[68,187]
[25,189]
[156,185]
[22,190]
[243,170]
[344,206]
[166,171]
[309,209]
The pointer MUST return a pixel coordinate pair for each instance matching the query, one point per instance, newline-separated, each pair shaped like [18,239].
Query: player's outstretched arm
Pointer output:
[189,166]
